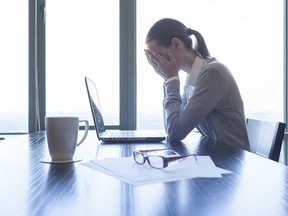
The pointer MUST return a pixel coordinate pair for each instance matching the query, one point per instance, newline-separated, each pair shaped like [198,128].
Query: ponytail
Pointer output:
[200,45]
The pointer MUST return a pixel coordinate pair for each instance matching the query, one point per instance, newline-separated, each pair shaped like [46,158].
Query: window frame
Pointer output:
[37,72]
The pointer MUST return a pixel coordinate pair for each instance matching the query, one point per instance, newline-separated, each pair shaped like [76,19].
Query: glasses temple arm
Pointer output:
[179,157]
[150,150]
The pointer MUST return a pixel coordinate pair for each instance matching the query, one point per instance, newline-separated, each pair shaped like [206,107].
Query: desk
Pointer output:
[257,186]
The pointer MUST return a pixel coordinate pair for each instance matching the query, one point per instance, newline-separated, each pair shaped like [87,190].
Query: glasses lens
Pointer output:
[138,157]
[156,161]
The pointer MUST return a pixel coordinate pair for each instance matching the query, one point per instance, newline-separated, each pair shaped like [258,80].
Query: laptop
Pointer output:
[116,136]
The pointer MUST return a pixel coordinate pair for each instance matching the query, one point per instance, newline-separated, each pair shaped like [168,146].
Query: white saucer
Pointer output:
[49,160]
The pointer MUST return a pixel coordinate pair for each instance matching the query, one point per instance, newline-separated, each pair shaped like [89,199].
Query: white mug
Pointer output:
[62,135]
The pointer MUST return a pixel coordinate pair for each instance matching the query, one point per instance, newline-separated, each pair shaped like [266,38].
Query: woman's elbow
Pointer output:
[175,136]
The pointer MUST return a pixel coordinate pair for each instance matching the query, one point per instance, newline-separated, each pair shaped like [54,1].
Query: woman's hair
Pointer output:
[164,30]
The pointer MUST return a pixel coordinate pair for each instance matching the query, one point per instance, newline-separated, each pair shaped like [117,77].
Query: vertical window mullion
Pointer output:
[127,64]
[36,65]
[285,149]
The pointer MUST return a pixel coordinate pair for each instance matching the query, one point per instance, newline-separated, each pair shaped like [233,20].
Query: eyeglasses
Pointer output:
[159,161]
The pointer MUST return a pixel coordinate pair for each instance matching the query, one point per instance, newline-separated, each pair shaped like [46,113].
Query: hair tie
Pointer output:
[190,31]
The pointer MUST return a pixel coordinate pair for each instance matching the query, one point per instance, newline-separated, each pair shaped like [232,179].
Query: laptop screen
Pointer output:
[95,106]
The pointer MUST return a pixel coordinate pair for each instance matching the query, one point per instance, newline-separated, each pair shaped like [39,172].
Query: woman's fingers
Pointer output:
[164,67]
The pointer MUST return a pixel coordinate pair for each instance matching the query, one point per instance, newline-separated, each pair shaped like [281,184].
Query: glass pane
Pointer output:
[251,46]
[14,66]
[82,41]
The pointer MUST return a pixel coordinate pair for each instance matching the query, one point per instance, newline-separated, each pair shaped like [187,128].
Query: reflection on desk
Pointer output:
[257,186]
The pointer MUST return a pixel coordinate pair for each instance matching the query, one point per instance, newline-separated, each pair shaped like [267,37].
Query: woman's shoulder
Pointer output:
[216,72]
[214,63]
[216,67]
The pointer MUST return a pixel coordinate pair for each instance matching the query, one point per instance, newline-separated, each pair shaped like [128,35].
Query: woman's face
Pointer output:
[161,50]
[183,56]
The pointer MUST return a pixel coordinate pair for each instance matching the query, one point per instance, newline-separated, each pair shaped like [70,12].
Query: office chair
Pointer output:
[265,137]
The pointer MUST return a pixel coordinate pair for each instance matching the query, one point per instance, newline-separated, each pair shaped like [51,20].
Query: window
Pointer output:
[14,66]
[82,41]
[250,45]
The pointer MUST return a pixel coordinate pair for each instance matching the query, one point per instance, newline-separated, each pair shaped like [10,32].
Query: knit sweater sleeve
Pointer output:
[210,88]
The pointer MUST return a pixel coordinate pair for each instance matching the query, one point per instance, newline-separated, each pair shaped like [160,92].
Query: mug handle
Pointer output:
[86,131]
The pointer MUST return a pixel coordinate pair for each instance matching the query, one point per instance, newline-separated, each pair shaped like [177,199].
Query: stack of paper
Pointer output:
[127,170]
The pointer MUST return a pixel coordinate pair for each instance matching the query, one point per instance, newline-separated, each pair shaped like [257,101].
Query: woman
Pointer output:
[211,100]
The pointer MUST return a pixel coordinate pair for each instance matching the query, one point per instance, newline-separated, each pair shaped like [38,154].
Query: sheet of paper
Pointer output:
[125,169]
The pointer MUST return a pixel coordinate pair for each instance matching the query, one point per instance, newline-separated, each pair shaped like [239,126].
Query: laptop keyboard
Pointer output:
[123,134]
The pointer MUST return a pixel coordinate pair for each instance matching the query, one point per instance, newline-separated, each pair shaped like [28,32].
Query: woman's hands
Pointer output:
[166,68]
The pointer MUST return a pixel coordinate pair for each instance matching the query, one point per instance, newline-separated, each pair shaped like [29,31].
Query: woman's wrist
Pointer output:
[172,78]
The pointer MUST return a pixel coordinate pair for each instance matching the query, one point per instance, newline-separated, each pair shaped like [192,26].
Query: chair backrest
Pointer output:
[265,137]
